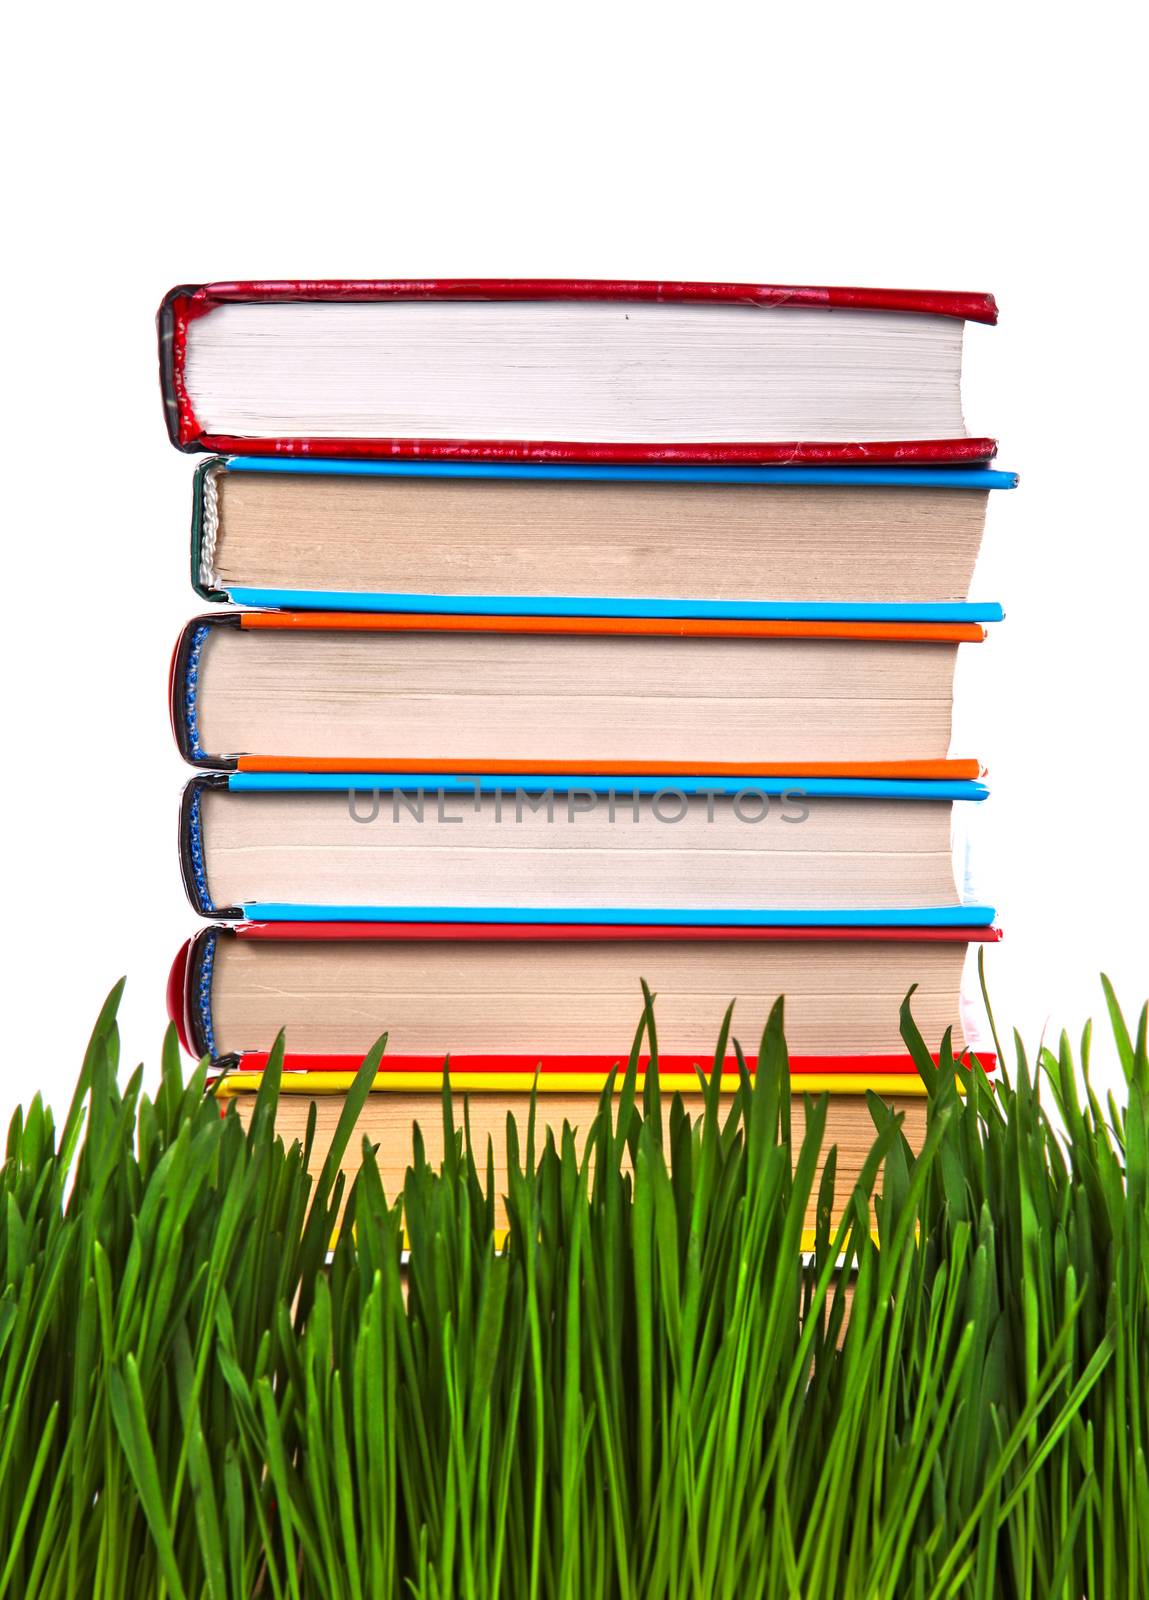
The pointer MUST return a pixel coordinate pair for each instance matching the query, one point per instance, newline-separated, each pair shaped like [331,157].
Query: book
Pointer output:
[569,370]
[438,847]
[358,691]
[393,1110]
[504,538]
[504,1001]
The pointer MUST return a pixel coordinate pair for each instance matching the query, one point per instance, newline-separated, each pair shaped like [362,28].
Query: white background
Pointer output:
[968,148]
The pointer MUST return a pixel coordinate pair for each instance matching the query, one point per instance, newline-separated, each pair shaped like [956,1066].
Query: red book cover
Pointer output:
[189,989]
[187,302]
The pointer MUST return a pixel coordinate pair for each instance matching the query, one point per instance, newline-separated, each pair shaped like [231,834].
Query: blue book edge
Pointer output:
[590,606]
[465,785]
[574,472]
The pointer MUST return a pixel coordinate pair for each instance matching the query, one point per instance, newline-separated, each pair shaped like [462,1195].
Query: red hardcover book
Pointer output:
[512,999]
[553,370]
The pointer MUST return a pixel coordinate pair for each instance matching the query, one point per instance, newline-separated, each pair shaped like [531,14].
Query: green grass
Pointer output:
[648,1393]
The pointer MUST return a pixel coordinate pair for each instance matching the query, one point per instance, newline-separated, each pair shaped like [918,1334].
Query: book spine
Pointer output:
[171,329]
[193,867]
[177,993]
[190,996]
[205,516]
[183,689]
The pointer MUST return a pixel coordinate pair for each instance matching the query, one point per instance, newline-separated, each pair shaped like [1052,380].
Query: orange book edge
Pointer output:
[957,767]
[654,627]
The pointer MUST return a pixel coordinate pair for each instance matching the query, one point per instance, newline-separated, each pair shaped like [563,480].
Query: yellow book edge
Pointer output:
[503,1234]
[328,1083]
[807,1247]
[499,1237]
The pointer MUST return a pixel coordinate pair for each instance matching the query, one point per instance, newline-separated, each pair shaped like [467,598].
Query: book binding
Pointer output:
[189,988]
[186,302]
[183,682]
[205,525]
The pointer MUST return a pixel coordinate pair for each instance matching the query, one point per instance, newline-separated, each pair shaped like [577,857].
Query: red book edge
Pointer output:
[178,996]
[578,933]
[186,302]
[598,1066]
[792,453]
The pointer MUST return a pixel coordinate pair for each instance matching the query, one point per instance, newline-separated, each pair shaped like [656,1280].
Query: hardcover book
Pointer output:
[503,538]
[566,370]
[336,691]
[536,1009]
[310,1106]
[503,1002]
[525,848]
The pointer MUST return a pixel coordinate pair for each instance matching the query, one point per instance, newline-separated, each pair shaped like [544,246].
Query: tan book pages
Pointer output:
[607,540]
[367,695]
[578,998]
[388,1118]
[324,848]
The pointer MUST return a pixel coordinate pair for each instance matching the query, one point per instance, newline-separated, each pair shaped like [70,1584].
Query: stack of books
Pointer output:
[576,634]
